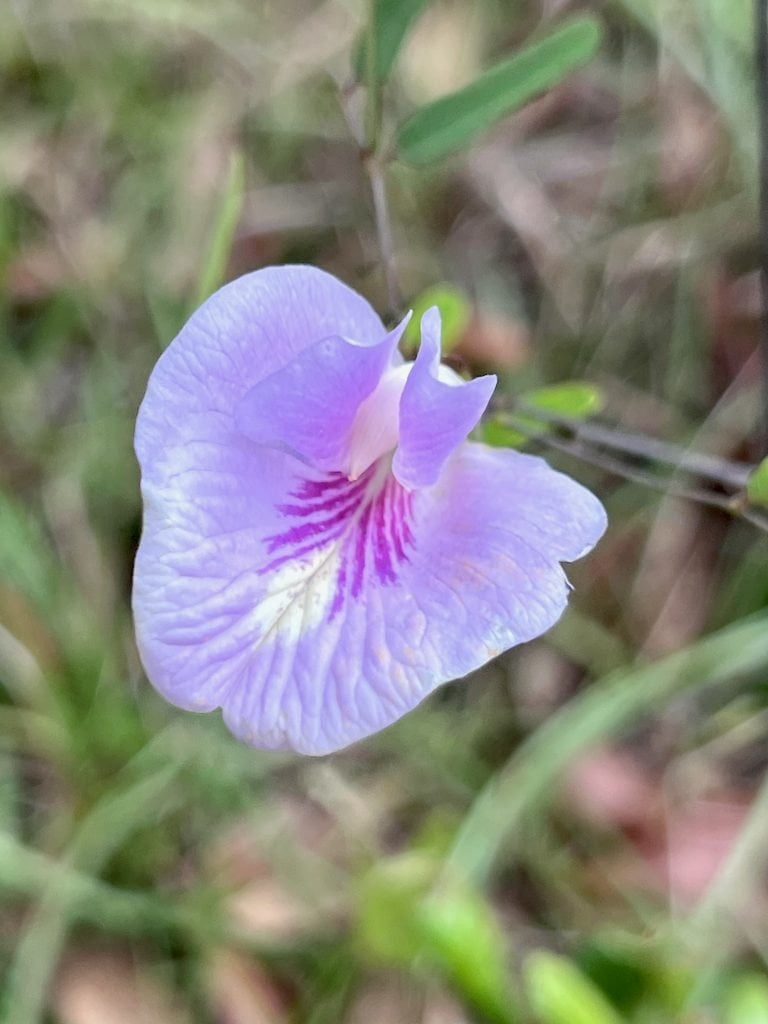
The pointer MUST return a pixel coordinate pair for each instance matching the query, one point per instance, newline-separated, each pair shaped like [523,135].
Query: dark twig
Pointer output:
[578,447]
[761,69]
[665,484]
[731,475]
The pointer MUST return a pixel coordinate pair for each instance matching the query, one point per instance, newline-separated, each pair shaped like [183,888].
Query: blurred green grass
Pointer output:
[597,794]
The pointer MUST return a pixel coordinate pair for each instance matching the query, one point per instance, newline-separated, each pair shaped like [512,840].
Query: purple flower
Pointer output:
[322,546]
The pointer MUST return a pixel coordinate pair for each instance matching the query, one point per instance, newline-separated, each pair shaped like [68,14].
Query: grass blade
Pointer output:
[594,716]
[215,265]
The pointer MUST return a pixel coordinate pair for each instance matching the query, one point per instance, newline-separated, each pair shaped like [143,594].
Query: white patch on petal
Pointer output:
[298,595]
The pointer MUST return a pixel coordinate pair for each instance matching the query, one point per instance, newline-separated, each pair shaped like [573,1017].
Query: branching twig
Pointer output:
[731,475]
[578,446]
[665,484]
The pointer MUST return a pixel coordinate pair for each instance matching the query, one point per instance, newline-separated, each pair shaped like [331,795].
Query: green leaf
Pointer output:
[574,399]
[735,19]
[455,311]
[467,943]
[499,435]
[391,21]
[101,832]
[224,228]
[747,1001]
[26,559]
[452,121]
[389,896]
[561,994]
[757,485]
[623,966]
[409,910]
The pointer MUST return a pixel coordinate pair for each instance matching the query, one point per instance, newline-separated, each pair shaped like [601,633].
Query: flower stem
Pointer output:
[384,233]
[373,106]
[375,167]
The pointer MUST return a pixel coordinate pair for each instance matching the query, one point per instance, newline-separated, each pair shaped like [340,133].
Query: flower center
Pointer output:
[350,532]
[376,429]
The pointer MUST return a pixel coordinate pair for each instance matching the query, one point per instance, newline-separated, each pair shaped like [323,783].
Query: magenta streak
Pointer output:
[302,511]
[317,488]
[394,527]
[310,489]
[307,549]
[381,554]
[359,555]
[383,519]
[341,580]
[401,534]
[321,527]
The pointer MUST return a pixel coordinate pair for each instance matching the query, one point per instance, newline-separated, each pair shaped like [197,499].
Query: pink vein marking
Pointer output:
[362,519]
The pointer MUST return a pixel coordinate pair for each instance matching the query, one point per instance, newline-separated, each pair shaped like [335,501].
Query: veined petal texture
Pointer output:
[312,604]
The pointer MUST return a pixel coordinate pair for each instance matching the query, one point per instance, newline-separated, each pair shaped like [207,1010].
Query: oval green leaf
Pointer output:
[561,994]
[467,944]
[409,910]
[455,311]
[747,1000]
[498,434]
[388,900]
[757,485]
[452,121]
[573,399]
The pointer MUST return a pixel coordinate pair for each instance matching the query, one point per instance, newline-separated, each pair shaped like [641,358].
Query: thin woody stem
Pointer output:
[731,475]
[374,165]
[373,99]
[384,232]
[579,448]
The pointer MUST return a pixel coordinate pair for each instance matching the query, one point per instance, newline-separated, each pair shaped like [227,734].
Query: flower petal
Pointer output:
[210,494]
[435,416]
[246,331]
[309,406]
[437,583]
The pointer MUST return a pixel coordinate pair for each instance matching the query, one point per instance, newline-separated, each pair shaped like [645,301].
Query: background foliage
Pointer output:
[577,832]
